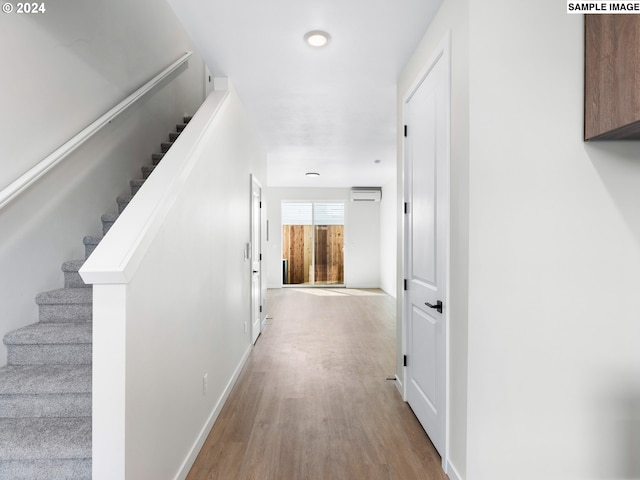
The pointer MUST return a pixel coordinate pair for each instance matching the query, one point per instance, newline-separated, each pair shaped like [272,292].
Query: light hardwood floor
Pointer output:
[313,401]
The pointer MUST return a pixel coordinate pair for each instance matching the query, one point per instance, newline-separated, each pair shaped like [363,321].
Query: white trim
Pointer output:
[22,183]
[451,472]
[206,429]
[442,51]
[109,379]
[253,182]
[400,386]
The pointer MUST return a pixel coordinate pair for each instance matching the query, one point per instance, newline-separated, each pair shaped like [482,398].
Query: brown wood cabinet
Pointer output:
[612,77]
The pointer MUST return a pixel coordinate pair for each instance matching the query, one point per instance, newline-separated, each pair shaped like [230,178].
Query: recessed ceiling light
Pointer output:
[312,174]
[317,38]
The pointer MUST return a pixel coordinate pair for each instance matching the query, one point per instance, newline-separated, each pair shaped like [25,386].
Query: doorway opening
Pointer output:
[313,243]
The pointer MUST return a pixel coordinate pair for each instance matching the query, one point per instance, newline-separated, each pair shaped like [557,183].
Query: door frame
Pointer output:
[441,53]
[255,248]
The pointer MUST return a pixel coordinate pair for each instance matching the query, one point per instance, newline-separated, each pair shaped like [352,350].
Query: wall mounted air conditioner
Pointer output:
[366,194]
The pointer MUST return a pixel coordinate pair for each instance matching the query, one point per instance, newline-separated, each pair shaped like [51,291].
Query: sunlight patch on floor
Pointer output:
[339,292]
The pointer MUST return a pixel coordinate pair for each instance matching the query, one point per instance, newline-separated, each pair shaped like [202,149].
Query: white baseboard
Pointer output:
[204,433]
[452,472]
[399,386]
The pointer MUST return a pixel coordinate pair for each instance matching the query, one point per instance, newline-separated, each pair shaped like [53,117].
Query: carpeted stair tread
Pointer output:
[109,217]
[165,146]
[107,222]
[47,343]
[72,278]
[45,379]
[90,244]
[45,390]
[173,136]
[157,157]
[187,118]
[123,201]
[72,265]
[180,127]
[44,438]
[64,469]
[65,296]
[51,334]
[67,305]
[91,240]
[135,185]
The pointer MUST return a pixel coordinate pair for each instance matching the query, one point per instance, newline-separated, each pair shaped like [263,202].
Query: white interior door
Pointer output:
[426,232]
[256,259]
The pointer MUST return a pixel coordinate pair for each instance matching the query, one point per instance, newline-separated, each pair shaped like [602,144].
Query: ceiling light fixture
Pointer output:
[312,174]
[317,38]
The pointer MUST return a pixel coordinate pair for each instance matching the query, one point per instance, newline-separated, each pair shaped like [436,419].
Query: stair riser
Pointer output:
[157,157]
[165,146]
[88,250]
[66,313]
[54,405]
[74,280]
[106,226]
[69,354]
[173,136]
[146,172]
[180,127]
[122,205]
[71,469]
[135,189]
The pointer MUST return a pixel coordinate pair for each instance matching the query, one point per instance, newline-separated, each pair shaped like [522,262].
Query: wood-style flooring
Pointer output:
[313,401]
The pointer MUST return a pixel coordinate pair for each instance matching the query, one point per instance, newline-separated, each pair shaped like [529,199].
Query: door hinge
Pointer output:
[405,361]
[260,206]
[260,308]
[405,284]
[406,207]
[260,257]
[405,130]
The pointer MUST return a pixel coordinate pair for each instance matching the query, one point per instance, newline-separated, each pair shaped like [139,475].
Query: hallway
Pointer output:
[313,401]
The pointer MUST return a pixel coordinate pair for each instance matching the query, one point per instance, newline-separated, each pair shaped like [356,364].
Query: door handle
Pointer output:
[437,306]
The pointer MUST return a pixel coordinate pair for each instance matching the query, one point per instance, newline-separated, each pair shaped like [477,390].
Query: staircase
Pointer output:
[45,388]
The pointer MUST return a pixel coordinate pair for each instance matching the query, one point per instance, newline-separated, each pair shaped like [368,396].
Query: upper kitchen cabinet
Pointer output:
[612,77]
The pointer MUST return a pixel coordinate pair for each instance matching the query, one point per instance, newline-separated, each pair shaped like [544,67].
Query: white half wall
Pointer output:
[362,234]
[69,66]
[179,252]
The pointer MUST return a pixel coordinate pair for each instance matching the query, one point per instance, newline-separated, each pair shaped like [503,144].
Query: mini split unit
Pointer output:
[366,194]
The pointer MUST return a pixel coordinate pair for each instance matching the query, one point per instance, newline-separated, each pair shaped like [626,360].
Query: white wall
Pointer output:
[388,249]
[187,299]
[452,17]
[63,69]
[554,261]
[362,235]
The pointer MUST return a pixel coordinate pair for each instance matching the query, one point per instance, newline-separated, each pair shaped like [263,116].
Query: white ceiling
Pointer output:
[330,110]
